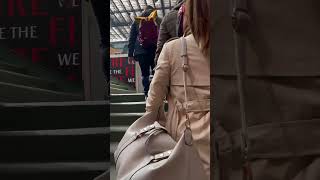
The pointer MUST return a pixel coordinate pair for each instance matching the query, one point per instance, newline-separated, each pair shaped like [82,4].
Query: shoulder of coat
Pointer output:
[172,39]
[172,42]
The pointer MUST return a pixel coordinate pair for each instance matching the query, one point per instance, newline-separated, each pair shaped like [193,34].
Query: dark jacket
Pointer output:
[134,46]
[168,28]
[283,91]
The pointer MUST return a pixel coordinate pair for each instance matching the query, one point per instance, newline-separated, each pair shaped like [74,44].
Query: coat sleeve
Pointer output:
[164,35]
[132,39]
[160,82]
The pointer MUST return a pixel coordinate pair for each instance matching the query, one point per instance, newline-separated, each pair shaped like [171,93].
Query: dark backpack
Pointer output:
[148,30]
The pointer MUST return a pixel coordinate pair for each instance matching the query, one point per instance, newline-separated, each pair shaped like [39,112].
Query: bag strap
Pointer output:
[241,22]
[185,68]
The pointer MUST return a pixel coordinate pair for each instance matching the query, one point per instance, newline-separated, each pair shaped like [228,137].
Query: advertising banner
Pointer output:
[45,32]
[122,69]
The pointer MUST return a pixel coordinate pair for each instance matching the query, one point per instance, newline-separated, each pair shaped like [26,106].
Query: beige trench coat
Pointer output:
[168,82]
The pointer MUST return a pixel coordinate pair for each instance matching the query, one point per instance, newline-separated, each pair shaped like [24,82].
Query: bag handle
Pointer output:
[240,22]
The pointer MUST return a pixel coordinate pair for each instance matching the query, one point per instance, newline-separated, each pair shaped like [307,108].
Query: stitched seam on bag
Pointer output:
[129,141]
[126,144]
[140,169]
[123,147]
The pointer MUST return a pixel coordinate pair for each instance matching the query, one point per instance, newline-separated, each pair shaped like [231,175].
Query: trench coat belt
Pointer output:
[193,105]
[277,139]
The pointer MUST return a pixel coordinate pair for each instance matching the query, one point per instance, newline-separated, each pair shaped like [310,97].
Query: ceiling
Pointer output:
[122,13]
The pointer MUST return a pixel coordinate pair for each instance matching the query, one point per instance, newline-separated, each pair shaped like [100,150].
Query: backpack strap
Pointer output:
[241,23]
[153,16]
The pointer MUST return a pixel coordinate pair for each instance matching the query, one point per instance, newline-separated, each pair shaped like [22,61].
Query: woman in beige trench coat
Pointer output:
[168,82]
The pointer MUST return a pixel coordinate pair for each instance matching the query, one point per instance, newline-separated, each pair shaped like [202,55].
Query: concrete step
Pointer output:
[131,97]
[13,68]
[113,147]
[27,80]
[120,91]
[53,170]
[114,80]
[124,87]
[118,87]
[18,93]
[119,119]
[14,63]
[85,144]
[112,172]
[127,107]
[11,58]
[54,115]
[54,140]
[116,133]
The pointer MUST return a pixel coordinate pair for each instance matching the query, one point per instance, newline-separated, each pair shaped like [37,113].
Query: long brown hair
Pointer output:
[198,16]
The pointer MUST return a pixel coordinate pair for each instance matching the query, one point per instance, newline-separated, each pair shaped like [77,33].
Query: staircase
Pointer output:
[46,131]
[125,109]
[60,140]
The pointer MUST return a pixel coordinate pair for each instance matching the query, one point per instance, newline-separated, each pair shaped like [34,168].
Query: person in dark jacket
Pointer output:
[168,28]
[145,57]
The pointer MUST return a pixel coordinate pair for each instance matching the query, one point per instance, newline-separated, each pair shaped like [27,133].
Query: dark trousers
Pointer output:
[146,61]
